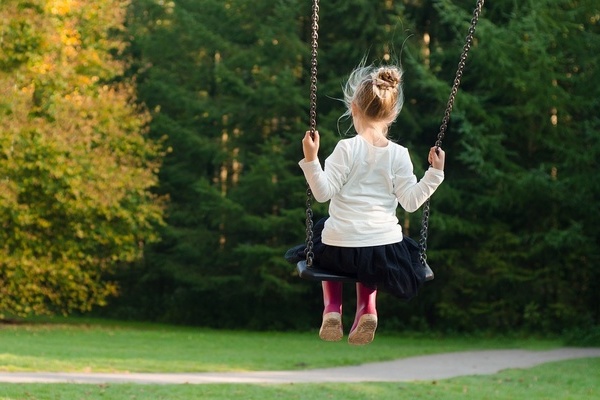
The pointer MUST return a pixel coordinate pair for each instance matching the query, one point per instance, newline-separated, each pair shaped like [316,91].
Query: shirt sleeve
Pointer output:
[412,194]
[325,183]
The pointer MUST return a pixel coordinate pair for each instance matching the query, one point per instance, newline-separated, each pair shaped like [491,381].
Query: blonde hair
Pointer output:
[376,91]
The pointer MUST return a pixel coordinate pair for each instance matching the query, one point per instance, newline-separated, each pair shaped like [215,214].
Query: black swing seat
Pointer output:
[317,274]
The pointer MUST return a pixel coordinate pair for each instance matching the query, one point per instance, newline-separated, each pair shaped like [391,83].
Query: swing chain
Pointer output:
[446,119]
[309,229]
[314,45]
[424,228]
[459,72]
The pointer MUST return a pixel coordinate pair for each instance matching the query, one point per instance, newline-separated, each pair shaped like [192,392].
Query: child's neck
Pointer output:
[375,135]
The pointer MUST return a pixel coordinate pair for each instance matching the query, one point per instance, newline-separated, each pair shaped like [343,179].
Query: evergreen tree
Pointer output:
[226,82]
[514,230]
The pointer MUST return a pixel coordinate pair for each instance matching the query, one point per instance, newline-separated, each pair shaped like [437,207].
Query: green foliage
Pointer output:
[583,336]
[75,166]
[225,85]
[513,230]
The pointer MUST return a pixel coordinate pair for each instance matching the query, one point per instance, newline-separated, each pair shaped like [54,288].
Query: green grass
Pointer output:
[566,380]
[104,346]
[76,345]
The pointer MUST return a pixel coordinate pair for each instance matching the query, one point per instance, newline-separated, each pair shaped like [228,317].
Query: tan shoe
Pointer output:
[331,328]
[364,331]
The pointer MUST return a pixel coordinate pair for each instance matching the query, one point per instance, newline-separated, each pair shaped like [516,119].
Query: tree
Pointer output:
[227,83]
[75,164]
[225,80]
[515,235]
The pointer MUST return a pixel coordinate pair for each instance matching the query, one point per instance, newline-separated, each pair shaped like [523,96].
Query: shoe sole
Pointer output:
[331,328]
[364,333]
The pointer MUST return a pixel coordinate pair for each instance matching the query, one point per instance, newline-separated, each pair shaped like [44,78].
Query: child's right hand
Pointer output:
[310,146]
[437,158]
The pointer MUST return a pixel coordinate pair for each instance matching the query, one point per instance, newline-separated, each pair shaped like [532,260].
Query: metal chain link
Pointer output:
[446,119]
[314,45]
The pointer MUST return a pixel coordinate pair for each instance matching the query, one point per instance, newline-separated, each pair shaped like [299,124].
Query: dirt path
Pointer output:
[432,367]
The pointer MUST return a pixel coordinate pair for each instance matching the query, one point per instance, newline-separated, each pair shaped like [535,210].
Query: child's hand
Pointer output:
[310,146]
[437,157]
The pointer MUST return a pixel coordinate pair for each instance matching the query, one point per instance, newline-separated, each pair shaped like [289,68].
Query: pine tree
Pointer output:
[512,234]
[514,230]
[225,81]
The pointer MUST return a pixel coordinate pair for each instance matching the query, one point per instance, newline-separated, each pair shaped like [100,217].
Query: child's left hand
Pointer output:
[437,158]
[310,146]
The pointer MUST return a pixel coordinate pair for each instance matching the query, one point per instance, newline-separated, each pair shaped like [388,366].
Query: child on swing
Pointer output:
[365,178]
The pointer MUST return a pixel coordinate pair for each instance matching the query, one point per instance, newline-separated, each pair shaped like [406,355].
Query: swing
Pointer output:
[305,268]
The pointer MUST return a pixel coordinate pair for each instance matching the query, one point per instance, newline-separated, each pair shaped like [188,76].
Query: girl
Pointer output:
[365,178]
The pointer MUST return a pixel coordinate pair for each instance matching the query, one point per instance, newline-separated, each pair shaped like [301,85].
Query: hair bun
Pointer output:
[384,79]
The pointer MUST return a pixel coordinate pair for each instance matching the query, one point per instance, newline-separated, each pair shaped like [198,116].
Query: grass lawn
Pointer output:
[104,346]
[566,380]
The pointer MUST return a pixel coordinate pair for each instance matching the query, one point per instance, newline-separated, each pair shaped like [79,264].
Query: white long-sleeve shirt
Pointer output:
[365,183]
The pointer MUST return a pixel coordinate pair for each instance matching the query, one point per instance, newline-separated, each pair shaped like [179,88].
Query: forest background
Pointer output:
[149,149]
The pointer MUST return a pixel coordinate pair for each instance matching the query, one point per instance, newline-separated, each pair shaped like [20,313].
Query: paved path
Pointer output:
[432,367]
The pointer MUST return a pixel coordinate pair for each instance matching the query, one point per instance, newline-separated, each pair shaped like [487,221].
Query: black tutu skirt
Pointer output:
[392,268]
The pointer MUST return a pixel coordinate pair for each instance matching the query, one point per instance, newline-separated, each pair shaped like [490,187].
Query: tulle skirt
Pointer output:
[391,268]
